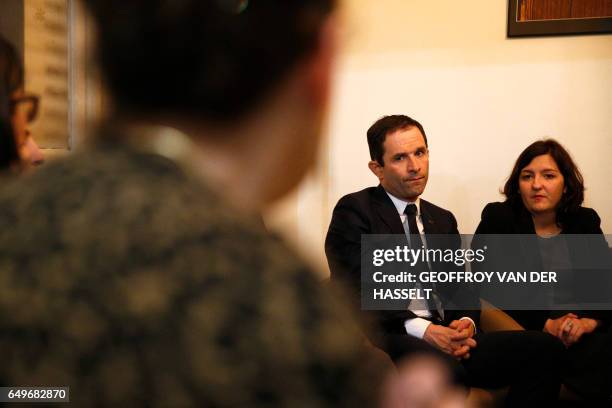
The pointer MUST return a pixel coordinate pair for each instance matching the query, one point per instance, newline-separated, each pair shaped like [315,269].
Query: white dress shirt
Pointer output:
[416,326]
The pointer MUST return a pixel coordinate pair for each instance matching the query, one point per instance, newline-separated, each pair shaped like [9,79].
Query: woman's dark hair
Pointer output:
[11,79]
[573,194]
[214,59]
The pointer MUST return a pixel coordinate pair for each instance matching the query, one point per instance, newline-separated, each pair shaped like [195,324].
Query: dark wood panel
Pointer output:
[531,10]
[544,9]
[549,17]
[591,8]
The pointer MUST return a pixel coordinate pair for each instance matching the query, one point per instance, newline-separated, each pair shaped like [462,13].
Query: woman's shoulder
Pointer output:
[497,218]
[584,220]
[499,211]
[497,208]
[586,212]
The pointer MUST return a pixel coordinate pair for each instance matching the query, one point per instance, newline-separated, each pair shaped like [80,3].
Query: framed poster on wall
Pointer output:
[46,55]
[559,17]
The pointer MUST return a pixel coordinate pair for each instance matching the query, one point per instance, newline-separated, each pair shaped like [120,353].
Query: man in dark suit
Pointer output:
[527,361]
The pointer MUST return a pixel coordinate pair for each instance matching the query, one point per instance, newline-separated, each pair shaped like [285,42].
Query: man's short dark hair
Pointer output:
[212,59]
[384,126]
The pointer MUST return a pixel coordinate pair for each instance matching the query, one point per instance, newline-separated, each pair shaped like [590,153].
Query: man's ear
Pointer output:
[376,168]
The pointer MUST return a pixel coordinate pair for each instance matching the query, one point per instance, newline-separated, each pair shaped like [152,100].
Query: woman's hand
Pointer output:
[553,326]
[569,328]
[573,329]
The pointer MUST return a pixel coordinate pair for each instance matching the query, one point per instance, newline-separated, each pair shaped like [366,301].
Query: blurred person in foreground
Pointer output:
[18,109]
[544,197]
[135,272]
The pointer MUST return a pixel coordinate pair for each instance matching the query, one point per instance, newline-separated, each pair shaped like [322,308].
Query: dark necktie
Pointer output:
[415,236]
[434,303]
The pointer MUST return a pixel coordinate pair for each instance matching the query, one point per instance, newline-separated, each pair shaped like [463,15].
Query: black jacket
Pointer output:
[371,211]
[504,218]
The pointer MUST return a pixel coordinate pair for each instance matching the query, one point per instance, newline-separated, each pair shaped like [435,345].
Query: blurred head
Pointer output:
[219,62]
[11,80]
[17,111]
[24,109]
[400,157]
[545,179]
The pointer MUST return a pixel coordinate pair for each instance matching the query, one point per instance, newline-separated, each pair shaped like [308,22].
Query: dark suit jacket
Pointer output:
[504,218]
[371,211]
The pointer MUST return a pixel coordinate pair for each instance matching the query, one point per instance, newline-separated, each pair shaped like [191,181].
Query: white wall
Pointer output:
[482,99]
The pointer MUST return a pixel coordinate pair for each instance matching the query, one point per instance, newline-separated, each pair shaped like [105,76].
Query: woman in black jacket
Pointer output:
[544,194]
